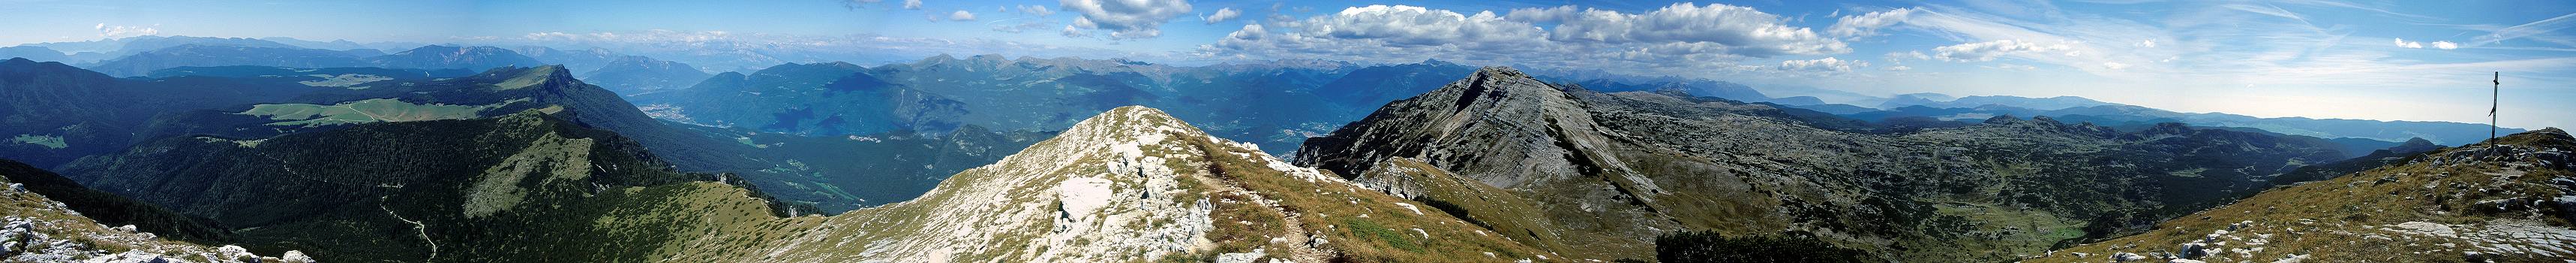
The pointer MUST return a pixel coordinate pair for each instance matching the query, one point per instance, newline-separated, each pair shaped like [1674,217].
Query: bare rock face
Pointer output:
[1485,124]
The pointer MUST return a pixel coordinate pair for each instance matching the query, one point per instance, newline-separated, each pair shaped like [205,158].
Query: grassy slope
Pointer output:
[1494,209]
[364,111]
[2355,218]
[1348,213]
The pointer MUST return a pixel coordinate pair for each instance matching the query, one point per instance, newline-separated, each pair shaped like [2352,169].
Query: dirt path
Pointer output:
[1299,238]
[424,229]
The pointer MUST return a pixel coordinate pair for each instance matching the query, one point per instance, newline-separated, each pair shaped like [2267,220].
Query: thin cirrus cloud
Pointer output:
[1036,10]
[2544,30]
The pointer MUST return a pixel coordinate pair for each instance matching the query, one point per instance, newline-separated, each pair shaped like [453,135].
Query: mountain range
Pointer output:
[1624,165]
[456,153]
[1132,184]
[1274,105]
[590,60]
[55,112]
[831,174]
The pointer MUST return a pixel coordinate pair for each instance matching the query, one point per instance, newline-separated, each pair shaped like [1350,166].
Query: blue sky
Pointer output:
[2387,60]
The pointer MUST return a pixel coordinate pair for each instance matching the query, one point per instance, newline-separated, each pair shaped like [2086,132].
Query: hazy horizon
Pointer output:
[2315,59]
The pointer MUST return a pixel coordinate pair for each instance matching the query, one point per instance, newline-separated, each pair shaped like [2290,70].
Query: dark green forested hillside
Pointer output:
[524,187]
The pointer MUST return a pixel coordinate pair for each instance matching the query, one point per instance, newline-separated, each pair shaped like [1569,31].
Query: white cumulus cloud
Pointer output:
[1127,19]
[109,31]
[1417,26]
[1822,64]
[1733,29]
[912,4]
[1681,38]
[1868,24]
[1987,51]
[2445,45]
[1551,14]
[1222,15]
[2401,42]
[1070,31]
[961,15]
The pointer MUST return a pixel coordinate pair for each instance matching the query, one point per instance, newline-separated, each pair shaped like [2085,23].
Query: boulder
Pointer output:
[1245,257]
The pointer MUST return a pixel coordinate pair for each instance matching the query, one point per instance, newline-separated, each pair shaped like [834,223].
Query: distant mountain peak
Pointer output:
[455,57]
[1436,62]
[942,57]
[638,60]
